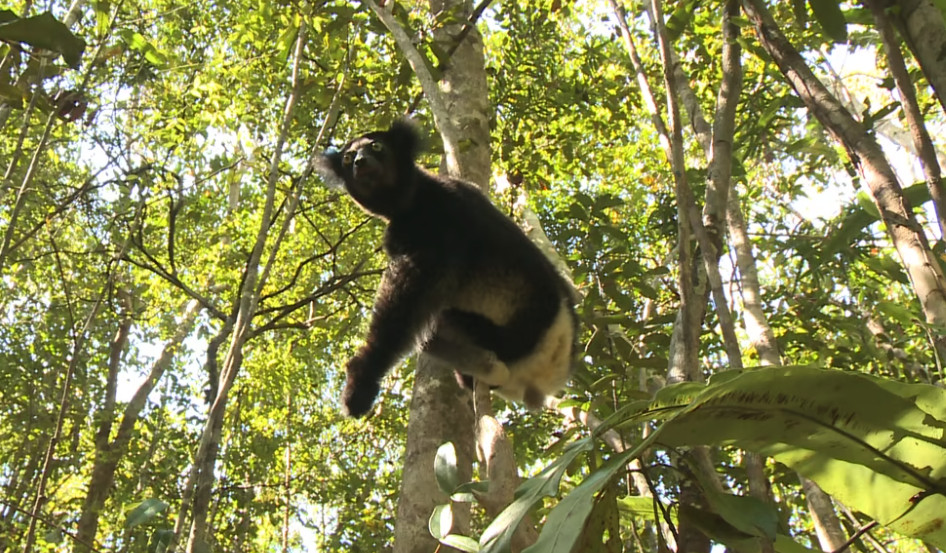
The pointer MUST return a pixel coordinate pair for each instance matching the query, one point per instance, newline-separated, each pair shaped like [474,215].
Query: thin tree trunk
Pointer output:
[100,482]
[921,24]
[905,232]
[287,477]
[255,279]
[760,333]
[685,339]
[109,454]
[66,395]
[825,519]
[921,137]
[826,522]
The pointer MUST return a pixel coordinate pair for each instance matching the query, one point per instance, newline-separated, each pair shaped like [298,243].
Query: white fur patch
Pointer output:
[548,368]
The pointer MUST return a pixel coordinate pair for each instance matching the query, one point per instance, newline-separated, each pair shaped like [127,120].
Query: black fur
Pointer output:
[463,280]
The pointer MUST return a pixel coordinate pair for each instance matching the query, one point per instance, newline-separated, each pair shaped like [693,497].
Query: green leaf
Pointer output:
[640,507]
[463,543]
[748,514]
[44,31]
[445,468]
[160,540]
[12,95]
[566,520]
[897,312]
[144,512]
[829,15]
[441,521]
[680,18]
[498,535]
[867,444]
[53,536]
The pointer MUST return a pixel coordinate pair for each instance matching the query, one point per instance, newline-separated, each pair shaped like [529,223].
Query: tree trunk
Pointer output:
[103,468]
[826,522]
[108,455]
[865,154]
[911,109]
[921,24]
[202,473]
[440,410]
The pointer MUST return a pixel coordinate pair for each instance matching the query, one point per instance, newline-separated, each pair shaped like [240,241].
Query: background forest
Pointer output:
[746,194]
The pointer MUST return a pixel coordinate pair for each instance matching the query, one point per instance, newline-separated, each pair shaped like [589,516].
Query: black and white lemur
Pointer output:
[463,282]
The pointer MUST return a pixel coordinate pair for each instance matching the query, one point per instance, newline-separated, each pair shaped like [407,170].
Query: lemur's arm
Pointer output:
[410,296]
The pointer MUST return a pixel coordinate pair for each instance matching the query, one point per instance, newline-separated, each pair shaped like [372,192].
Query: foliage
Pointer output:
[137,148]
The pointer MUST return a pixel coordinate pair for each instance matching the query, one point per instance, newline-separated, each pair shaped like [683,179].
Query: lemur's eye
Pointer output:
[348,158]
[377,146]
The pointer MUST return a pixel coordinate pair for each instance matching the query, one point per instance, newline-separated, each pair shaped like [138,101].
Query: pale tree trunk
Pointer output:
[64,402]
[201,476]
[440,410]
[761,336]
[907,235]
[708,228]
[109,454]
[921,24]
[922,142]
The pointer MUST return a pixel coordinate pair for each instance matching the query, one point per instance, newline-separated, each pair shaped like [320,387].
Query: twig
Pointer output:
[864,529]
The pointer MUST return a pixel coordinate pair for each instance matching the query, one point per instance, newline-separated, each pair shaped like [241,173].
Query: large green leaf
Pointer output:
[144,512]
[566,520]
[829,15]
[45,31]
[498,535]
[873,444]
[445,468]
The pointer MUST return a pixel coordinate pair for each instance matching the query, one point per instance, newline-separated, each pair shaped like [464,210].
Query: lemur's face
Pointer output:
[367,165]
[377,169]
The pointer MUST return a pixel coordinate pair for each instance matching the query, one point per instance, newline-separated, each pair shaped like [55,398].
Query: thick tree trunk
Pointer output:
[440,410]
[865,154]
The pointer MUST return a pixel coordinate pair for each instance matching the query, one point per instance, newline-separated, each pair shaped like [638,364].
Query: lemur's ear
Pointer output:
[405,136]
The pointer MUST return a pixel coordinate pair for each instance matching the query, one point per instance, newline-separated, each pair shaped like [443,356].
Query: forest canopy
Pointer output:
[746,195]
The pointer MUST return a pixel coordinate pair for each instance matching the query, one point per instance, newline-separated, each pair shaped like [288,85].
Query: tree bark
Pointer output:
[867,157]
[921,24]
[101,480]
[911,109]
[826,522]
[440,410]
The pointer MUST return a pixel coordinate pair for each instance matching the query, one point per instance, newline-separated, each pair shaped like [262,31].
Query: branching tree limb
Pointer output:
[911,109]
